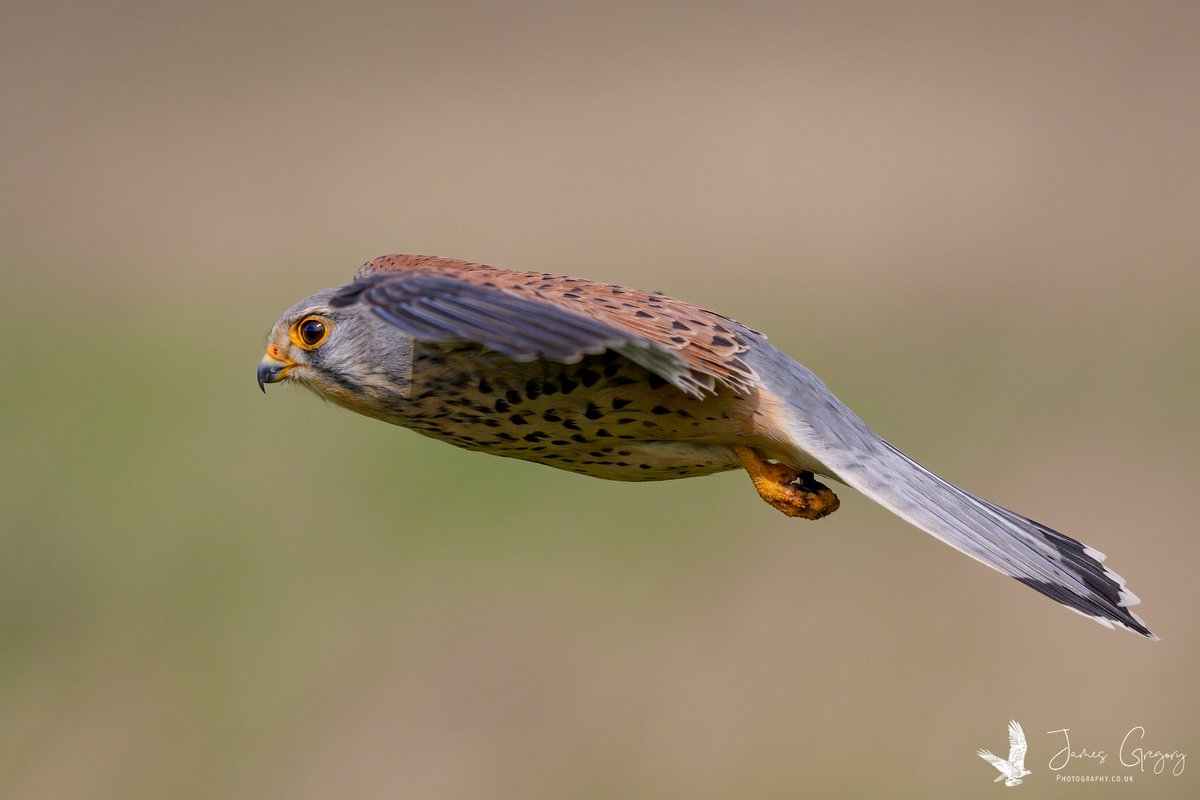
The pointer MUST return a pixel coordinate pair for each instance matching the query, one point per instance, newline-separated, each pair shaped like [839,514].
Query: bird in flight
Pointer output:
[623,384]
[1012,770]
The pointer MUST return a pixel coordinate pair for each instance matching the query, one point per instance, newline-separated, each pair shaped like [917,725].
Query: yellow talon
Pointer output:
[790,491]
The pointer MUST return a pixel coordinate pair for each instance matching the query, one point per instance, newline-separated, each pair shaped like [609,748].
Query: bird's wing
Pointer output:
[997,762]
[1016,745]
[692,348]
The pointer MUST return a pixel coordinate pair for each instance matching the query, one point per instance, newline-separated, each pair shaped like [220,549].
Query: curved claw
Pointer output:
[789,491]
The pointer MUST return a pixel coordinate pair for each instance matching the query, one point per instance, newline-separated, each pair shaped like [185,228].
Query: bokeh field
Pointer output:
[977,222]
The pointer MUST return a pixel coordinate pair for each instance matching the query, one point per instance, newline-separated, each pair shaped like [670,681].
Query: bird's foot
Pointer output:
[790,491]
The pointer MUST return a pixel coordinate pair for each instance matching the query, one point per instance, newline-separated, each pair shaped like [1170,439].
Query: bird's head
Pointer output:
[345,354]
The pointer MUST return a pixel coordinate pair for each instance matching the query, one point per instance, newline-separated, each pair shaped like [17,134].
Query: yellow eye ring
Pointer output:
[310,332]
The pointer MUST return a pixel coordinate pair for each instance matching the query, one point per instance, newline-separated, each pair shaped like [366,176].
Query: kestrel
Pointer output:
[629,385]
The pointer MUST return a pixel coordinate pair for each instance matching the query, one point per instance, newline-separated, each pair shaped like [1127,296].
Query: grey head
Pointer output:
[345,354]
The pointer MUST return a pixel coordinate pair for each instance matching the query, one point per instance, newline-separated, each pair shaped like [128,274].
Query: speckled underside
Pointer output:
[603,416]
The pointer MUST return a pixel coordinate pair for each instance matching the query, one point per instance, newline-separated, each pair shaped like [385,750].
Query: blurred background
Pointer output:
[977,222]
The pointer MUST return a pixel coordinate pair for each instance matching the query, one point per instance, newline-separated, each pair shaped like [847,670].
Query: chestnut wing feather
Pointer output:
[442,308]
[690,347]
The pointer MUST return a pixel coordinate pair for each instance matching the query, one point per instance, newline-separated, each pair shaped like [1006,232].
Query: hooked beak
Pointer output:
[273,368]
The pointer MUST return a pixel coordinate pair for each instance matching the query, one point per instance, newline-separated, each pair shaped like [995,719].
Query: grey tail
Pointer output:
[1043,559]
[1056,565]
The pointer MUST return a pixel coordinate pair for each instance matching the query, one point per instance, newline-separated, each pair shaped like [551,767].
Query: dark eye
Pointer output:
[312,332]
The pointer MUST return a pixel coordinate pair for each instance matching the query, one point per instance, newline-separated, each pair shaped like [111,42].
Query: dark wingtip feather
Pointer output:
[1105,610]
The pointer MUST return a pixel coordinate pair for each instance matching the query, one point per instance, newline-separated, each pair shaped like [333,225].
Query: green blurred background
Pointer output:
[978,222]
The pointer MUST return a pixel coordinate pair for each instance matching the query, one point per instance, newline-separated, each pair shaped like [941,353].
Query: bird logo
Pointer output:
[1012,770]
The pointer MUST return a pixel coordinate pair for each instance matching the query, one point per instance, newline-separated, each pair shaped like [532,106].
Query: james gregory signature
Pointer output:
[1131,754]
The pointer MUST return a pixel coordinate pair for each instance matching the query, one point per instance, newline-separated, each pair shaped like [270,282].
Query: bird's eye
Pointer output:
[311,332]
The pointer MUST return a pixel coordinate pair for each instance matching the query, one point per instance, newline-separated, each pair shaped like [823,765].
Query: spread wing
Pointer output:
[1016,745]
[997,762]
[437,308]
[529,315]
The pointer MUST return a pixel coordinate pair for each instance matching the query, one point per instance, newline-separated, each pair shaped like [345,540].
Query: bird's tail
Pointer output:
[1058,566]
